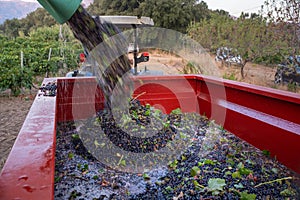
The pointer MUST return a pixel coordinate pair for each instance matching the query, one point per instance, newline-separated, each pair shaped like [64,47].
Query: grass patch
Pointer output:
[230,76]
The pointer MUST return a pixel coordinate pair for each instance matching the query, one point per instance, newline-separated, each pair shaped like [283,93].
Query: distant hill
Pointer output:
[10,9]
[16,9]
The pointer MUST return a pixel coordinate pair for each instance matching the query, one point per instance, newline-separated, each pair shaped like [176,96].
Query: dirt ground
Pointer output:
[13,110]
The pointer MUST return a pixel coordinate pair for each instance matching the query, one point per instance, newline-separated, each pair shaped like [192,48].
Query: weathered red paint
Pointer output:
[266,118]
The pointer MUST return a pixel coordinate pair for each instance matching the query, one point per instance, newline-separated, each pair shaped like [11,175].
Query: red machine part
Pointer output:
[145,54]
[264,117]
[81,57]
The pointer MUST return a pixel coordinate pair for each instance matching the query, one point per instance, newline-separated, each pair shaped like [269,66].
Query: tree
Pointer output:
[176,15]
[213,32]
[252,36]
[287,14]
[11,28]
[105,7]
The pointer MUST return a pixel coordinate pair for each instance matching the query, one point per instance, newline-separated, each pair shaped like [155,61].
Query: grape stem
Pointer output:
[273,181]
[214,172]
[138,96]
[120,160]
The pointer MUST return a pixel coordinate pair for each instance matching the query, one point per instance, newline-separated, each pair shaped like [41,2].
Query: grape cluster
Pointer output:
[49,89]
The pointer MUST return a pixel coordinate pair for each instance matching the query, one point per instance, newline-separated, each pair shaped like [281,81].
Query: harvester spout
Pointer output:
[61,10]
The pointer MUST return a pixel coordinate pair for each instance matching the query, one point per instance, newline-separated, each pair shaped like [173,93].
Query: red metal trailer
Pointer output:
[264,117]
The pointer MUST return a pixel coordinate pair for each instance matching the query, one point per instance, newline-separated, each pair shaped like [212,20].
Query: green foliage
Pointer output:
[14,78]
[242,170]
[216,185]
[230,77]
[36,49]
[175,15]
[176,111]
[266,153]
[75,136]
[287,192]
[207,162]
[173,164]
[292,87]
[195,171]
[254,38]
[123,162]
[169,189]
[246,196]
[104,7]
[197,185]
[236,175]
[191,68]
[146,177]
[11,27]
[83,168]
[70,155]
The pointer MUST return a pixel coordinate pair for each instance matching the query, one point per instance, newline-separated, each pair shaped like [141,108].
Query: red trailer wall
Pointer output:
[264,117]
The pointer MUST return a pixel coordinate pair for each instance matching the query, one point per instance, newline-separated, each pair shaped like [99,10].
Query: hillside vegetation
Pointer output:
[266,39]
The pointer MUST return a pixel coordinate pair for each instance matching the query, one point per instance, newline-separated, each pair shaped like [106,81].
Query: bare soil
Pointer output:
[254,73]
[13,110]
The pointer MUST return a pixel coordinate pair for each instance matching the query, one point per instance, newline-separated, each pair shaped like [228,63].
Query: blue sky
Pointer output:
[235,7]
